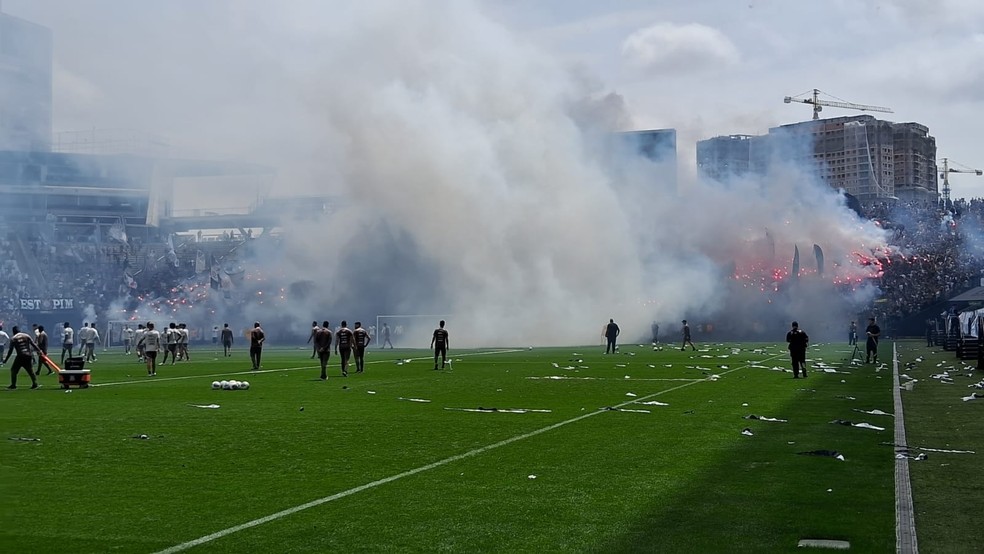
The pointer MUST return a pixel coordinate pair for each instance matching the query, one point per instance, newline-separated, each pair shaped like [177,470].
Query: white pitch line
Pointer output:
[290,511]
[261,371]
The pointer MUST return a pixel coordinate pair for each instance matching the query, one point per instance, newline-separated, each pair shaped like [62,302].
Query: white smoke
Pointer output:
[477,184]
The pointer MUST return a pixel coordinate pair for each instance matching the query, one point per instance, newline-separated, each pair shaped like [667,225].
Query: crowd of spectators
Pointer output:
[936,253]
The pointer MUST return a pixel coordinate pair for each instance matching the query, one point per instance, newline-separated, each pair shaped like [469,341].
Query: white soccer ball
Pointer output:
[244,385]
[225,385]
[216,385]
[234,385]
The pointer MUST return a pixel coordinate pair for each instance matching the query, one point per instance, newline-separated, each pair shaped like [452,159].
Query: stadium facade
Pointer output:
[868,158]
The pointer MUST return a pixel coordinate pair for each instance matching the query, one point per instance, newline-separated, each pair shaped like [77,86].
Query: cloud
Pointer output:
[669,47]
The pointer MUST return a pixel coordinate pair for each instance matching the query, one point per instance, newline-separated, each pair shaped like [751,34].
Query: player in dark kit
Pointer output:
[611,333]
[386,337]
[686,337]
[852,334]
[440,343]
[798,341]
[25,347]
[43,346]
[256,338]
[322,345]
[362,339]
[227,339]
[344,339]
[871,345]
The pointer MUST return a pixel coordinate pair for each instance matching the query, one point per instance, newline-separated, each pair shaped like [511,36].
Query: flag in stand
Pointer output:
[200,262]
[213,273]
[129,280]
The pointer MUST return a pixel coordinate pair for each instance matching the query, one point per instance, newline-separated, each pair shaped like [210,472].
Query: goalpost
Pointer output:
[407,331]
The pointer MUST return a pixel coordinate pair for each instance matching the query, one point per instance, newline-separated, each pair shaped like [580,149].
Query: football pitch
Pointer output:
[505,450]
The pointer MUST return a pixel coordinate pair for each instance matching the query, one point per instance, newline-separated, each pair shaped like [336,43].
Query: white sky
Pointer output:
[705,68]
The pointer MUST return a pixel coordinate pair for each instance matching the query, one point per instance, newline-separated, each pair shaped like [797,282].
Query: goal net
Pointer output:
[406,331]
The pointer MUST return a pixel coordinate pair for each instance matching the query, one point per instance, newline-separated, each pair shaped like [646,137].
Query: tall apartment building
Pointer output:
[869,158]
[25,85]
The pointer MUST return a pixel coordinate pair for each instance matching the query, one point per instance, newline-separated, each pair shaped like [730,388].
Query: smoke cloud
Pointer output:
[478,181]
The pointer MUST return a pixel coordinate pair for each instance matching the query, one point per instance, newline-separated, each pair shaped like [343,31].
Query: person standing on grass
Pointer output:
[68,341]
[25,347]
[138,336]
[314,332]
[183,342]
[90,343]
[322,345]
[344,339]
[686,337]
[440,344]
[852,334]
[360,338]
[4,342]
[256,339]
[227,340]
[873,331]
[43,348]
[127,339]
[655,330]
[611,334]
[386,337]
[171,342]
[797,340]
[149,344]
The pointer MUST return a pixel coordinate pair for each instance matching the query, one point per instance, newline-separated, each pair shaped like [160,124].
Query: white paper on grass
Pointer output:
[631,394]
[874,412]
[747,432]
[864,425]
[413,399]
[653,403]
[206,406]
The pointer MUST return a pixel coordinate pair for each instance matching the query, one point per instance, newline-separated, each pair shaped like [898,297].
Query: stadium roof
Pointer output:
[975,294]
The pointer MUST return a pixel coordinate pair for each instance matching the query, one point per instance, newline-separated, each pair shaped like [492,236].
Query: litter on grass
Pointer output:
[631,394]
[973,396]
[747,432]
[824,543]
[904,447]
[762,418]
[499,410]
[25,439]
[874,412]
[653,403]
[906,456]
[862,425]
[206,406]
[413,399]
[613,409]
[825,454]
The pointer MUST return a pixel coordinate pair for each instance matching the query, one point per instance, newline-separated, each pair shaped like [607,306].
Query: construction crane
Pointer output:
[818,104]
[945,175]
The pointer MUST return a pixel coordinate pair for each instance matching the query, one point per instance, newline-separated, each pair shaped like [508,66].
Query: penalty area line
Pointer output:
[471,453]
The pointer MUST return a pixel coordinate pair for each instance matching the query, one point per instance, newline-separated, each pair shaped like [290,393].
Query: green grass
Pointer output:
[681,478]
[946,488]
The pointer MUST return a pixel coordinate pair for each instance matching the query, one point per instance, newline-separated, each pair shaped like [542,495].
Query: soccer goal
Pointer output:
[113,337]
[406,331]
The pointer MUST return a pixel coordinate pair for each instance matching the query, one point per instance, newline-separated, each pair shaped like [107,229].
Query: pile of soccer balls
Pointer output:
[230,385]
